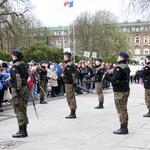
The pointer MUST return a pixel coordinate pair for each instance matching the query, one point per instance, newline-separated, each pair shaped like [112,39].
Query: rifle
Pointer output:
[33,103]
[42,91]
[84,88]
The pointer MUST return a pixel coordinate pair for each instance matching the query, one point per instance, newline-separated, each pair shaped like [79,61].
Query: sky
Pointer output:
[53,13]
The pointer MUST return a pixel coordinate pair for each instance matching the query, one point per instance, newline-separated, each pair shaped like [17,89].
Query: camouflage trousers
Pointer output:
[70,95]
[121,99]
[99,90]
[20,106]
[44,87]
[147,98]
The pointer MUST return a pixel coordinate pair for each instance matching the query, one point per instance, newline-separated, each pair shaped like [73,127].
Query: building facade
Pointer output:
[139,39]
[61,36]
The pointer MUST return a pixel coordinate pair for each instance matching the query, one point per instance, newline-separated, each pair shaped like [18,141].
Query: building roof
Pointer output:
[58,28]
[133,24]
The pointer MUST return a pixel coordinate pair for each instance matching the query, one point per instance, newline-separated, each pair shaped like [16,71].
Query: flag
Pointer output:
[66,3]
[70,4]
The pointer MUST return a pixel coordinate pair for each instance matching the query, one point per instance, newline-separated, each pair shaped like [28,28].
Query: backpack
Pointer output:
[30,81]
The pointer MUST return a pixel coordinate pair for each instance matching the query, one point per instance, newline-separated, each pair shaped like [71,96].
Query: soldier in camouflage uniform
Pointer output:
[99,71]
[18,78]
[120,83]
[42,76]
[145,75]
[69,80]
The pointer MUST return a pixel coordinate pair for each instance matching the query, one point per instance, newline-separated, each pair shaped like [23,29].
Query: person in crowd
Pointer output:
[69,80]
[54,81]
[120,83]
[18,78]
[86,76]
[60,88]
[78,77]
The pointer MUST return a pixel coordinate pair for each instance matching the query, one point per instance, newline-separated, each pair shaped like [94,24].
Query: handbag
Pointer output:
[7,95]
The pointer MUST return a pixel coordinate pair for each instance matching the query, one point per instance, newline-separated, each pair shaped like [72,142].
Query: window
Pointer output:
[146,51]
[128,29]
[124,29]
[137,29]
[65,43]
[141,28]
[137,51]
[65,33]
[137,39]
[133,29]
[146,28]
[59,33]
[58,43]
[146,39]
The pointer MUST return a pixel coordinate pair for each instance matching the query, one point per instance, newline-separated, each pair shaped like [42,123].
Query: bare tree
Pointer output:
[139,7]
[98,33]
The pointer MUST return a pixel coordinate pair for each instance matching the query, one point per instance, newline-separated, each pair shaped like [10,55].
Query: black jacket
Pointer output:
[120,77]
[145,75]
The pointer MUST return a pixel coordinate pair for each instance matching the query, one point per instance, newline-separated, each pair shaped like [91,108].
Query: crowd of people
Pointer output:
[22,82]
[85,76]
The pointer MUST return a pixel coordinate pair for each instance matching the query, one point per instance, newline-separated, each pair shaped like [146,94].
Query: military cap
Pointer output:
[99,59]
[148,56]
[67,53]
[16,52]
[83,59]
[42,62]
[124,55]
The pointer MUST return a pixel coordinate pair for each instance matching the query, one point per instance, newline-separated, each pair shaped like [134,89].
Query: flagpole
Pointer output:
[73,36]
[68,29]
[63,26]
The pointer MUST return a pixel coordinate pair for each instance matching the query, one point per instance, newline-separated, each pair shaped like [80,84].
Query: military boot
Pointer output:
[21,133]
[42,101]
[72,114]
[100,106]
[147,115]
[123,129]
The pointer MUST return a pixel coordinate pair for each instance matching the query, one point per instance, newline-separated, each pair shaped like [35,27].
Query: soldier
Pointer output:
[145,75]
[42,76]
[69,80]
[18,78]
[99,71]
[120,83]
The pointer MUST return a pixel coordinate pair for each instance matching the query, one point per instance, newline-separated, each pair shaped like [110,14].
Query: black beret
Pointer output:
[124,55]
[67,53]
[16,52]
[99,59]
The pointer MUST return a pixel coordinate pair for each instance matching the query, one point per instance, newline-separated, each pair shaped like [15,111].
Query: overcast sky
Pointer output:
[53,12]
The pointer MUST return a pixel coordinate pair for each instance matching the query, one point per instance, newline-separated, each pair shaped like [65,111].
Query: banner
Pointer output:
[86,54]
[67,50]
[94,54]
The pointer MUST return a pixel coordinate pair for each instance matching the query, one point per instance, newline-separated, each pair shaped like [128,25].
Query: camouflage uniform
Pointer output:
[145,74]
[42,75]
[120,83]
[69,80]
[18,75]
[98,85]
